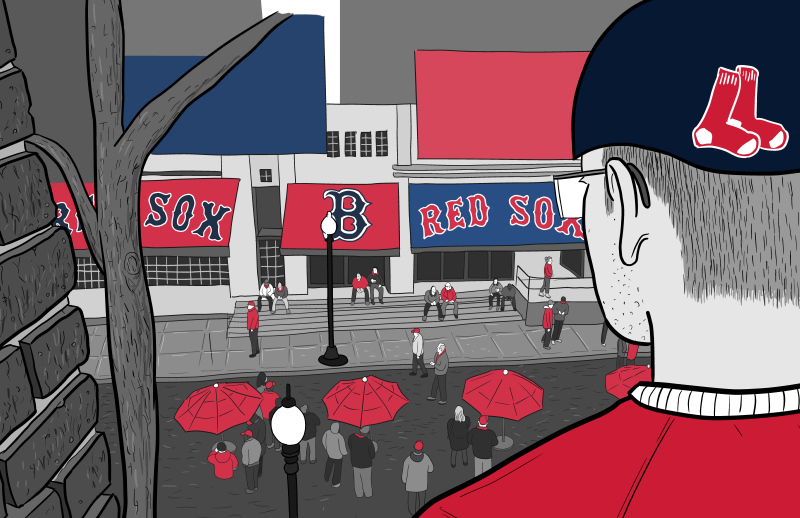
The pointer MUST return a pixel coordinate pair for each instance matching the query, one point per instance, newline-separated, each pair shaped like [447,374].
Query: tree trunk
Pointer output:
[131,338]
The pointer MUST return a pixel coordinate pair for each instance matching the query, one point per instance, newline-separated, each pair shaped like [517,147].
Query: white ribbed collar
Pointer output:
[705,403]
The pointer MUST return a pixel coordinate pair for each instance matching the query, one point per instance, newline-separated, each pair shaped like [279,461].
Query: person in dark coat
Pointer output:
[440,364]
[252,328]
[482,440]
[375,283]
[560,312]
[259,429]
[251,458]
[508,293]
[494,293]
[457,429]
[310,437]
[432,298]
[362,451]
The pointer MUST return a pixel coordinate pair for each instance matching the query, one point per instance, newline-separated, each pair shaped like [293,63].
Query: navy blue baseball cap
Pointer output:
[714,84]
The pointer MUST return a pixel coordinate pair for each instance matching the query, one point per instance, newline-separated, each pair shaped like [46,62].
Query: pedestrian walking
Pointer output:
[359,286]
[259,428]
[251,458]
[268,398]
[548,274]
[224,461]
[252,328]
[415,475]
[375,283]
[334,445]
[482,440]
[494,293]
[449,299]
[559,316]
[508,293]
[547,324]
[457,430]
[440,365]
[362,451]
[309,437]
[432,299]
[282,294]
[416,355]
[267,292]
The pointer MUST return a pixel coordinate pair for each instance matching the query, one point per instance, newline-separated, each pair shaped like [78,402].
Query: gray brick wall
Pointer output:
[26,203]
[83,478]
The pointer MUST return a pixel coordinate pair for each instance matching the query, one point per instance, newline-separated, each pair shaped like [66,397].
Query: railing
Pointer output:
[525,280]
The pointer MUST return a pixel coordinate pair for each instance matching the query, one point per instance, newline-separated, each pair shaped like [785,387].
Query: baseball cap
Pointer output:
[248,433]
[415,330]
[418,445]
[483,422]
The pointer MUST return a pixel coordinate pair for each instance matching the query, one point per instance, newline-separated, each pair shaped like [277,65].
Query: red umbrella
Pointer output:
[218,408]
[506,394]
[364,401]
[622,380]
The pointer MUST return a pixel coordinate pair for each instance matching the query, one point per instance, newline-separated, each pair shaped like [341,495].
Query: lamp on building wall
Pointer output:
[288,426]
[331,358]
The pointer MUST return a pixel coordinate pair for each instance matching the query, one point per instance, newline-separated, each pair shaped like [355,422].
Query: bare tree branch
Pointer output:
[105,38]
[153,122]
[86,211]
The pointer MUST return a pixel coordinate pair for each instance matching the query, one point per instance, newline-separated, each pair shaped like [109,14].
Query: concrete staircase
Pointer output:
[403,312]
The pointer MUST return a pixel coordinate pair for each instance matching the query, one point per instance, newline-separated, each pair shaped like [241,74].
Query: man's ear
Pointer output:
[624,190]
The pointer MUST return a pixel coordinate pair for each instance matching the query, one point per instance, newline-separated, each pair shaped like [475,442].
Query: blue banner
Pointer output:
[489,214]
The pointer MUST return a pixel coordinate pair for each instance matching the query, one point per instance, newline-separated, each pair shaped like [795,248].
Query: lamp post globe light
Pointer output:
[331,358]
[288,426]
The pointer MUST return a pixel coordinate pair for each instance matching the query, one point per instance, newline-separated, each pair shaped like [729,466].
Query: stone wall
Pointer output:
[53,463]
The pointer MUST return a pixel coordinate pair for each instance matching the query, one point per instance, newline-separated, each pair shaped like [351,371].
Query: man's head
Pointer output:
[433,289]
[280,286]
[495,281]
[358,276]
[364,430]
[335,427]
[250,305]
[563,299]
[304,409]
[440,348]
[447,285]
[222,447]
[261,379]
[418,448]
[374,270]
[548,260]
[483,422]
[248,434]
[415,331]
[548,304]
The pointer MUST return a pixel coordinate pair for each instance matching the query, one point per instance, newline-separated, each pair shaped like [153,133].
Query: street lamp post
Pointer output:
[288,426]
[331,358]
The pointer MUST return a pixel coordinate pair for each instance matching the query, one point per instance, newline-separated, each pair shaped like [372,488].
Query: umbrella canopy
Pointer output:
[219,407]
[622,380]
[364,401]
[502,393]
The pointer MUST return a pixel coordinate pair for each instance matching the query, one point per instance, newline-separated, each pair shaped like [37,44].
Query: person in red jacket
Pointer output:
[268,402]
[449,297]
[547,323]
[548,274]
[359,286]
[252,328]
[224,461]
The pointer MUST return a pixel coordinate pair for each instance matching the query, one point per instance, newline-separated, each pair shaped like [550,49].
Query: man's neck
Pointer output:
[723,344]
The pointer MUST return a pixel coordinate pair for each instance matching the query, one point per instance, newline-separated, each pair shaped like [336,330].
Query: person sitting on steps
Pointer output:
[448,298]
[359,286]
[267,292]
[432,298]
[282,294]
[508,293]
[494,292]
[375,283]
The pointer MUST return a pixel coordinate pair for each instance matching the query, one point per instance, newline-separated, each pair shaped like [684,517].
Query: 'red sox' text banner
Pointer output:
[173,213]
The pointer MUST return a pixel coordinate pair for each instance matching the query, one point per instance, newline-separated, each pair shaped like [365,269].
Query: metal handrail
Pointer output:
[526,279]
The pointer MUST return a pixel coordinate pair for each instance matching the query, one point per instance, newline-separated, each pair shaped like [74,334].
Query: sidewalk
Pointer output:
[199,349]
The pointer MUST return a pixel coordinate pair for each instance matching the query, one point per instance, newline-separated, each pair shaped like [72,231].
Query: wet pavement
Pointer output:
[187,485]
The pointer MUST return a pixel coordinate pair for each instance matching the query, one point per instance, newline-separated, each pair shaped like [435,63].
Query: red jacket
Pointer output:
[548,270]
[359,284]
[448,295]
[224,463]
[632,350]
[547,321]
[252,318]
[671,466]
[268,399]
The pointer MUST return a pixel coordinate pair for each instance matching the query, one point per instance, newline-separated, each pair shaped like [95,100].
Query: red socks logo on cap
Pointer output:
[730,123]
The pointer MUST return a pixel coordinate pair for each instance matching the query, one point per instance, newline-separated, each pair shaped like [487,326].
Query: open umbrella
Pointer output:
[622,380]
[218,408]
[364,401]
[506,394]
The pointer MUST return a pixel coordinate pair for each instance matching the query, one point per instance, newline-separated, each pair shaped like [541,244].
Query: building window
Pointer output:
[366,143]
[350,143]
[333,144]
[574,261]
[345,269]
[463,266]
[381,143]
[270,261]
[164,271]
[266,175]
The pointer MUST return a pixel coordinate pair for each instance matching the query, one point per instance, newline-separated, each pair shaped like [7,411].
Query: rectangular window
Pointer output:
[266,175]
[164,271]
[270,261]
[502,264]
[573,260]
[350,143]
[454,263]
[478,265]
[429,266]
[381,143]
[366,143]
[345,269]
[333,144]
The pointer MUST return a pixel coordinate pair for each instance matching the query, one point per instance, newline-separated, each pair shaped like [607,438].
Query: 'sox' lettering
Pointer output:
[157,210]
[212,221]
[454,217]
[430,223]
[188,200]
[348,204]
[61,217]
[543,215]
[518,205]
[565,225]
[479,216]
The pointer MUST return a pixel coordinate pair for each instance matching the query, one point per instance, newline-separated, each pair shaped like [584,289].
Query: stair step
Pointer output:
[340,317]
[468,296]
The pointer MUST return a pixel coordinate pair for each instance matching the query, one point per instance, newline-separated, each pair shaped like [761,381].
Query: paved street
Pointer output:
[187,486]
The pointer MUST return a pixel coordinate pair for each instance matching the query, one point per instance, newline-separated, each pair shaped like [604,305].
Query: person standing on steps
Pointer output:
[440,379]
[457,430]
[482,440]
[416,355]
[547,324]
[448,298]
[251,457]
[362,451]
[309,437]
[431,299]
[375,283]
[252,328]
[282,294]
[560,313]
[359,286]
[334,445]
[494,293]
[548,274]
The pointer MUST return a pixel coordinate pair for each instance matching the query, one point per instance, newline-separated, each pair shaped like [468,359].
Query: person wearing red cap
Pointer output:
[252,328]
[415,475]
[251,458]
[547,324]
[482,440]
[417,353]
[224,461]
[259,428]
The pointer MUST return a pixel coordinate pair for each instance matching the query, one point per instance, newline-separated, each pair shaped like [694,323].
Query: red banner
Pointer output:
[367,216]
[173,213]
